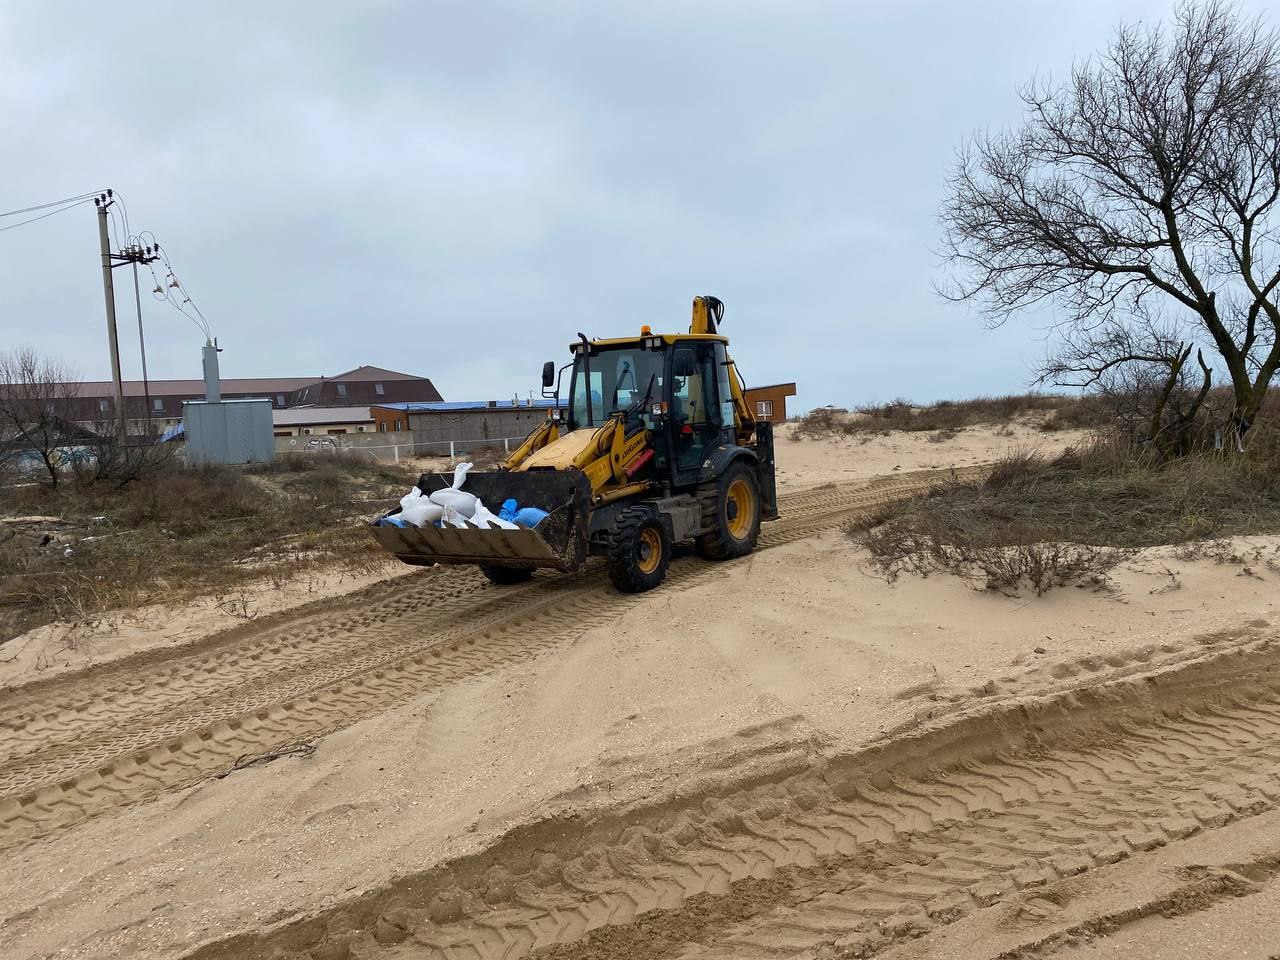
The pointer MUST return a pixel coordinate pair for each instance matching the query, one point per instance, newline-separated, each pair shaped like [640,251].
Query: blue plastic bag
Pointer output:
[529,516]
[509,510]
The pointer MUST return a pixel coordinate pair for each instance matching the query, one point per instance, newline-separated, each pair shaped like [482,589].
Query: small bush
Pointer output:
[899,549]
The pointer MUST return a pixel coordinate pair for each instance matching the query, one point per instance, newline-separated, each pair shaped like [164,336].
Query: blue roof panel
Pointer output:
[446,405]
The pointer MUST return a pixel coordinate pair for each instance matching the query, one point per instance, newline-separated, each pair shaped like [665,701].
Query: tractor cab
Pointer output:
[675,386]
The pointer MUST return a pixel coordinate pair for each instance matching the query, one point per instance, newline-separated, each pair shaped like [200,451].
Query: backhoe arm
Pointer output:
[707,312]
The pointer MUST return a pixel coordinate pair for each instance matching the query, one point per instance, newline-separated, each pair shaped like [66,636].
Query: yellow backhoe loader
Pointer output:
[656,446]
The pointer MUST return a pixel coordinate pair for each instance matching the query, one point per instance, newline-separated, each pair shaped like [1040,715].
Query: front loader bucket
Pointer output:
[559,541]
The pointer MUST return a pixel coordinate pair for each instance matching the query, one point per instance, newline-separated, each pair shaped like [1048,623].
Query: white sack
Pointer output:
[454,519]
[410,497]
[484,518]
[457,500]
[421,512]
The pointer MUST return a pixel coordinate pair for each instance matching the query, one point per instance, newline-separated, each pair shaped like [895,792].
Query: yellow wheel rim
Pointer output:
[649,550]
[740,507]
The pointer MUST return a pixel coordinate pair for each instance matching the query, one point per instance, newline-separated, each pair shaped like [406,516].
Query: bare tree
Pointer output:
[35,398]
[1141,369]
[1140,195]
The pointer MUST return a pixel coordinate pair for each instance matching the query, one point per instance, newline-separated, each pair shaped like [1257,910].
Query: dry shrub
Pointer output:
[1043,522]
[1006,567]
[186,531]
[286,463]
[820,422]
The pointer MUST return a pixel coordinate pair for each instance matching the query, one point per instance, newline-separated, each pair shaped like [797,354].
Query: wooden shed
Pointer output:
[770,402]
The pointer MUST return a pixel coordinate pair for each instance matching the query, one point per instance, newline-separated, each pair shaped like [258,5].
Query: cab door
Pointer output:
[696,414]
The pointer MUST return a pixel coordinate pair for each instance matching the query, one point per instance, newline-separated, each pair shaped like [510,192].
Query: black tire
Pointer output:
[639,551]
[727,536]
[506,576]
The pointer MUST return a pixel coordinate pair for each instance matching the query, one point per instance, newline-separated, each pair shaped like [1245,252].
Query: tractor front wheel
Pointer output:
[639,551]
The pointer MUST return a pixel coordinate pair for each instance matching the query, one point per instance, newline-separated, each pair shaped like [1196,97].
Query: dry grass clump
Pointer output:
[1004,567]
[947,418]
[184,531]
[1040,522]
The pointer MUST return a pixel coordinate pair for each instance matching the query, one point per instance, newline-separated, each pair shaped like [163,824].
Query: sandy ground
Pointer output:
[813,657]
[56,648]
[795,654]
[1240,923]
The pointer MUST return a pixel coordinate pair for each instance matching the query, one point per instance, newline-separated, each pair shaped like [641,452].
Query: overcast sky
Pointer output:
[456,190]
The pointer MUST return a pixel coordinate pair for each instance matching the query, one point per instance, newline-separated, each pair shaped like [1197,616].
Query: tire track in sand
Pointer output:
[852,856]
[78,749]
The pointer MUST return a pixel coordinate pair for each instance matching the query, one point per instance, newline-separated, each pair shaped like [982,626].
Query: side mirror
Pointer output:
[548,373]
[683,364]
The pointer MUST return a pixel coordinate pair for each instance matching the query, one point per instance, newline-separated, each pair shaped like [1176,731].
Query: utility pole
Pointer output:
[134,254]
[102,203]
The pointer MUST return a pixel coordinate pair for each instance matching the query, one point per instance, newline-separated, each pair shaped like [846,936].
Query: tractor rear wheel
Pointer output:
[730,514]
[639,551]
[506,576]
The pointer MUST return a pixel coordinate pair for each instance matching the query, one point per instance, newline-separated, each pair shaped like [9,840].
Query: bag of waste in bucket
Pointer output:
[529,516]
[521,516]
[484,518]
[451,497]
[410,497]
[452,518]
[421,512]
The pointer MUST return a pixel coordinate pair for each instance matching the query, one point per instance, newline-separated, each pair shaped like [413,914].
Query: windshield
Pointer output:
[620,376]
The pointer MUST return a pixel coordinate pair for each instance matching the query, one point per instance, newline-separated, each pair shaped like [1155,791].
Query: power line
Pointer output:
[161,292]
[177,284]
[22,223]
[115,232]
[54,203]
[124,210]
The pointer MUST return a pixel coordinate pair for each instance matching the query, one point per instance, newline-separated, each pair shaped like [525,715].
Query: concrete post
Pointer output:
[108,289]
[212,381]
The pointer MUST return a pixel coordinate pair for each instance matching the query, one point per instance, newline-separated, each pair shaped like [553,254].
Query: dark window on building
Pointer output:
[377,388]
[397,424]
[279,399]
[382,427]
[104,406]
[157,405]
[764,408]
[342,389]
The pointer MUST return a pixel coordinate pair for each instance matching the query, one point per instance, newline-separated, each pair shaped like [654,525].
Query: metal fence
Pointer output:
[393,446]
